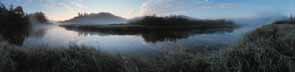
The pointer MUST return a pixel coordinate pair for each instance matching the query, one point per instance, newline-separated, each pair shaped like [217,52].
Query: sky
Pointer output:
[66,9]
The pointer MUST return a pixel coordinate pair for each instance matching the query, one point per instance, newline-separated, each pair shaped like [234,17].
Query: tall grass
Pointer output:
[15,59]
[268,49]
[81,59]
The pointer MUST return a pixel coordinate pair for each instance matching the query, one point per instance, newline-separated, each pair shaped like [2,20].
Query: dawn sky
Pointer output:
[65,9]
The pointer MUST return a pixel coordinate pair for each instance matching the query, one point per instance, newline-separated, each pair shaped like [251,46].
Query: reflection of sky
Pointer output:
[64,9]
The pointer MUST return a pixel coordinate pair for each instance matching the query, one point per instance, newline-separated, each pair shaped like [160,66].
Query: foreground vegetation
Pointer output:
[268,49]
[14,59]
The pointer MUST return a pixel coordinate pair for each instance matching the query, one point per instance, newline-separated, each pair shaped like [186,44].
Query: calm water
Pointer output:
[54,36]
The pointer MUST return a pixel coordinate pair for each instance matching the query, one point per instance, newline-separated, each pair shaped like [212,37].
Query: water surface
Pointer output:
[54,36]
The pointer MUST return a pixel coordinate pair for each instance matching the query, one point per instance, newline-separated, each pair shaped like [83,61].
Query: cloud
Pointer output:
[61,9]
[166,7]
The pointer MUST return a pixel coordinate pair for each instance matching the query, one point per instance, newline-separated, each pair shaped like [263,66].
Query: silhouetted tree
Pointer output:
[14,24]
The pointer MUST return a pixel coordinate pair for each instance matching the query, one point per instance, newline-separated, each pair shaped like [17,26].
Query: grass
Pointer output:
[14,59]
[268,49]
[81,59]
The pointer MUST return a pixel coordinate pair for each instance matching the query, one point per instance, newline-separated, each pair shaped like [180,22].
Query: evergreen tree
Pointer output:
[14,24]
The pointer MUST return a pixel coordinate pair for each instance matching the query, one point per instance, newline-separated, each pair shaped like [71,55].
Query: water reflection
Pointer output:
[120,41]
[156,35]
[50,36]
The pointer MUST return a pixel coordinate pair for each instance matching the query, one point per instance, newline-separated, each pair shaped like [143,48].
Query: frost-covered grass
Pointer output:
[80,59]
[15,59]
[268,49]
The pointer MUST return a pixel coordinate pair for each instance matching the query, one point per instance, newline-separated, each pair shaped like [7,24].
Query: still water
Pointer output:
[54,36]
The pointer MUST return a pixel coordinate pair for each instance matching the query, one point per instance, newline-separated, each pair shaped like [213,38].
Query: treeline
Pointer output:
[14,24]
[290,20]
[177,20]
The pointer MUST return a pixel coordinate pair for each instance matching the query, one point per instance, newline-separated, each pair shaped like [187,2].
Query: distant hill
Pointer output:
[96,18]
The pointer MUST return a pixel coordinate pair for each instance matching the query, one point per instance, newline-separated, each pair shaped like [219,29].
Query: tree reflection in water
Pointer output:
[156,35]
